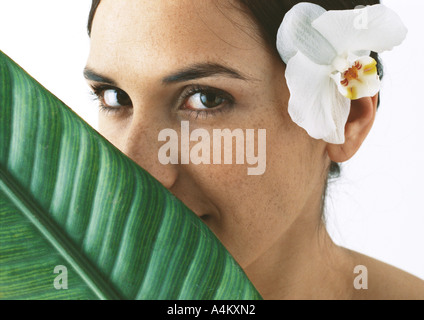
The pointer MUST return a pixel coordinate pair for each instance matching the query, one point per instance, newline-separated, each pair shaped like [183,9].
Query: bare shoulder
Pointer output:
[386,282]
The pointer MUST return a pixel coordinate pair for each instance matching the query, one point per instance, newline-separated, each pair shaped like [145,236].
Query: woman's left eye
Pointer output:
[204,101]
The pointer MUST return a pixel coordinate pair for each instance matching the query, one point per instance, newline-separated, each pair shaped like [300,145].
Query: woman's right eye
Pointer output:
[115,98]
[112,98]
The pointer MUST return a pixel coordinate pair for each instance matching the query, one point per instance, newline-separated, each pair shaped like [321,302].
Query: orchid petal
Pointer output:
[297,34]
[375,28]
[315,103]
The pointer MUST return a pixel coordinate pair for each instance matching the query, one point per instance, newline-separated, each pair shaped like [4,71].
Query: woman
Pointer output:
[157,64]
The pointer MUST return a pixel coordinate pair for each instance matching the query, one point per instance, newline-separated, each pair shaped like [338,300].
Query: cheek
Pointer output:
[254,211]
[113,130]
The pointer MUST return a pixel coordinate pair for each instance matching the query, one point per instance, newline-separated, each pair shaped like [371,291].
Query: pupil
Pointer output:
[122,98]
[210,100]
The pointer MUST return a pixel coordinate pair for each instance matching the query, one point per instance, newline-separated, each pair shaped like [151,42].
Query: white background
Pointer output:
[376,207]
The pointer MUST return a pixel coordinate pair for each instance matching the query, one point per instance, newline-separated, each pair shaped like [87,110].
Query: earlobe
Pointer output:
[359,124]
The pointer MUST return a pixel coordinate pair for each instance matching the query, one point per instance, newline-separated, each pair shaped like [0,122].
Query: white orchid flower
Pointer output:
[328,62]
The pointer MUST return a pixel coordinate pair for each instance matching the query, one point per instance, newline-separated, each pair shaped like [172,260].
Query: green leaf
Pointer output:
[69,198]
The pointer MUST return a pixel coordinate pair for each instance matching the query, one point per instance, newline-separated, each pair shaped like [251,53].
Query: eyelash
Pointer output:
[188,92]
[96,94]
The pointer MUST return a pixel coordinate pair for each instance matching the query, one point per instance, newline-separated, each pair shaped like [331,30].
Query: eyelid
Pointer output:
[99,88]
[190,90]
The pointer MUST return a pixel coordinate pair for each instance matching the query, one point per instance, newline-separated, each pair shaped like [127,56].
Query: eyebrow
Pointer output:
[197,71]
[92,75]
[202,70]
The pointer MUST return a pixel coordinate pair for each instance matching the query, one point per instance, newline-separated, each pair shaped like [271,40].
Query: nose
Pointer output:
[142,146]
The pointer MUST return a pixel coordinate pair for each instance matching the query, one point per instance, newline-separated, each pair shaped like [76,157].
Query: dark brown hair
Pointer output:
[268,14]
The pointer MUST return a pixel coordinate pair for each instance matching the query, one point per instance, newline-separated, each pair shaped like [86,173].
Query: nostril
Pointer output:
[166,174]
[206,218]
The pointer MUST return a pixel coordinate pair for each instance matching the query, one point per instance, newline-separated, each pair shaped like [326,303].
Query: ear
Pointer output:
[360,121]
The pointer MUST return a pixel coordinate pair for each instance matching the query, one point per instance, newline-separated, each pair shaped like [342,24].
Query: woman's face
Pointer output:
[139,49]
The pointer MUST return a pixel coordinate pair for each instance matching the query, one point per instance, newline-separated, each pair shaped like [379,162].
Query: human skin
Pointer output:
[270,223]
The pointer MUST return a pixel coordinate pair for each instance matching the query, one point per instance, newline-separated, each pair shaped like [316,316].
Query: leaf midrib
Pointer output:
[31,210]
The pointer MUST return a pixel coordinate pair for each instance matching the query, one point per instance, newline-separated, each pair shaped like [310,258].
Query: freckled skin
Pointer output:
[269,223]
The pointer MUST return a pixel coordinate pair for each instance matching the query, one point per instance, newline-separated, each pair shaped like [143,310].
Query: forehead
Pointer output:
[168,33]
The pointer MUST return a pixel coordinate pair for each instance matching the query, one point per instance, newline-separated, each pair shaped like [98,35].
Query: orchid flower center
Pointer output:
[351,74]
[360,79]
